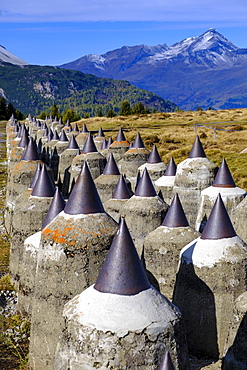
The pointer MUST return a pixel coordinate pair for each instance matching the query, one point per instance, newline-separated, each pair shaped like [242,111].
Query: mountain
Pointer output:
[7,57]
[32,89]
[207,70]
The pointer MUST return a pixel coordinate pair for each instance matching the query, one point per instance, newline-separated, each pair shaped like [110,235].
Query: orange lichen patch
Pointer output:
[120,143]
[57,235]
[137,150]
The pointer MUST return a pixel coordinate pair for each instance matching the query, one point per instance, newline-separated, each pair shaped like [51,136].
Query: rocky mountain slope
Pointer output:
[201,71]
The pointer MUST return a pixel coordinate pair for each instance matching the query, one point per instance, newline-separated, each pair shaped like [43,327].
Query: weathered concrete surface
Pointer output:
[230,196]
[155,170]
[192,176]
[239,217]
[27,271]
[71,253]
[97,337]
[118,148]
[235,357]
[143,215]
[114,208]
[95,161]
[162,247]
[211,276]
[28,216]
[106,185]
[131,161]
[165,185]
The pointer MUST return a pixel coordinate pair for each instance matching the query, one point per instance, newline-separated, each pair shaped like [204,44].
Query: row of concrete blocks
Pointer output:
[157,277]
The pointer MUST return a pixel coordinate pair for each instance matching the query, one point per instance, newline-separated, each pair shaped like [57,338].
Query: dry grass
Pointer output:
[174,134]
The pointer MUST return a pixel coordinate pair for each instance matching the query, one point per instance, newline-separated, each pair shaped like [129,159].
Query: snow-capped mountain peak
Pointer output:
[7,57]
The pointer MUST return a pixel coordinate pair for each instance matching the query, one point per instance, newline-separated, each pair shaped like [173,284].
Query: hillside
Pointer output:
[204,71]
[33,89]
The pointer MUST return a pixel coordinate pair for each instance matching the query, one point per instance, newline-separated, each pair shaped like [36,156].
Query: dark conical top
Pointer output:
[57,205]
[104,144]
[84,198]
[31,152]
[44,186]
[145,186]
[166,362]
[50,135]
[46,132]
[84,129]
[55,136]
[20,132]
[110,141]
[111,167]
[122,272]
[223,178]
[24,139]
[63,136]
[89,146]
[68,124]
[197,150]
[35,176]
[219,225]
[175,216]
[138,143]
[171,168]
[75,128]
[121,191]
[120,135]
[154,156]
[73,143]
[100,133]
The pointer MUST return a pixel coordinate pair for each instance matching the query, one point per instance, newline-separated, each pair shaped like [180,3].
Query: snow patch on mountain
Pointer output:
[7,57]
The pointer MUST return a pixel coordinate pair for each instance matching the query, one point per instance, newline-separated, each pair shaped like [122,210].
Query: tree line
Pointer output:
[71,115]
[6,110]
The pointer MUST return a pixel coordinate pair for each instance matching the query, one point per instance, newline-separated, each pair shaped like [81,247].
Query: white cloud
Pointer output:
[125,10]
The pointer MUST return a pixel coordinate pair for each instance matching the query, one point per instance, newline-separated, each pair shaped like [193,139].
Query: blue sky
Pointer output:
[58,31]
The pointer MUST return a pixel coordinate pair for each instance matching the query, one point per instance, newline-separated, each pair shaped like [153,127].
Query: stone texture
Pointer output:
[72,250]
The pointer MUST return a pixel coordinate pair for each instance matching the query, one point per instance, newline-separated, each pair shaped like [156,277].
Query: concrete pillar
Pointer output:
[27,268]
[119,146]
[164,185]
[144,211]
[230,194]
[120,196]
[163,245]
[132,159]
[154,165]
[72,250]
[193,175]
[97,336]
[212,274]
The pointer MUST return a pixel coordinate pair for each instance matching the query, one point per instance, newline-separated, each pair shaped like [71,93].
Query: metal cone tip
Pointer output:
[219,225]
[175,216]
[24,139]
[84,129]
[35,176]
[122,272]
[111,167]
[100,133]
[31,152]
[57,205]
[44,186]
[138,143]
[75,128]
[73,143]
[84,198]
[145,186]
[55,136]
[110,141]
[171,168]
[166,362]
[89,146]
[197,150]
[223,178]
[154,156]
[121,191]
[63,136]
[120,136]
[104,144]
